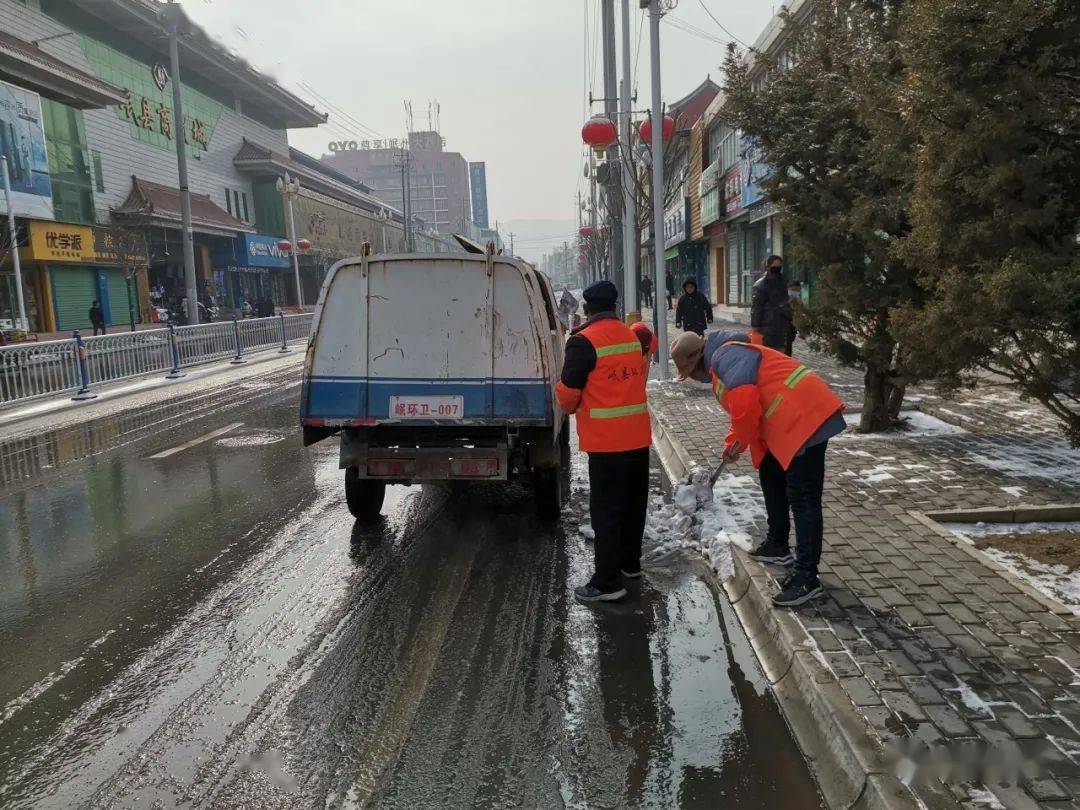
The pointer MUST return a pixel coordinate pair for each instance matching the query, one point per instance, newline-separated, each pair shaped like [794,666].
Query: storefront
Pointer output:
[714,230]
[68,267]
[252,268]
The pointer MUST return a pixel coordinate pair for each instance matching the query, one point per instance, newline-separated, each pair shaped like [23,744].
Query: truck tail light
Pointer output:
[391,467]
[474,467]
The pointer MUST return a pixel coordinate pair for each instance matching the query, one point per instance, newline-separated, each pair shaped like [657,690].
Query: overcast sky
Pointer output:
[509,75]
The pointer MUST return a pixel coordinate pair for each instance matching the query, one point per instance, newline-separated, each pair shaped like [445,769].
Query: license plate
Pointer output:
[411,407]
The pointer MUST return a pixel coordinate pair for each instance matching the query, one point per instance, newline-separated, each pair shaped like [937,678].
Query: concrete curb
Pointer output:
[848,763]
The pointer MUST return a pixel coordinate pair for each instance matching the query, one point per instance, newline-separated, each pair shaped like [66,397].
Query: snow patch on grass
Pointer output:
[919,424]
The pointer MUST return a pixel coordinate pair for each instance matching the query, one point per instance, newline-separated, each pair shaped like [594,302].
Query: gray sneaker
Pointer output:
[587,593]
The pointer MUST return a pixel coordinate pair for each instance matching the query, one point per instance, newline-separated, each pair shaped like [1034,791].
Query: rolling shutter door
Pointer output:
[74,290]
[118,298]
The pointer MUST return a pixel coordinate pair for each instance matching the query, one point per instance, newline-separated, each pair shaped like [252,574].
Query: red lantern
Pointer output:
[645,131]
[585,232]
[285,245]
[303,244]
[599,132]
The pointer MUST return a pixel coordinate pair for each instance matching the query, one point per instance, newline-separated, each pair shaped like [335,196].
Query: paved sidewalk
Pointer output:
[928,641]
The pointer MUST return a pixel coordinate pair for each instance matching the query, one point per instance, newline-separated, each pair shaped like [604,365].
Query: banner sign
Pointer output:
[91,244]
[22,140]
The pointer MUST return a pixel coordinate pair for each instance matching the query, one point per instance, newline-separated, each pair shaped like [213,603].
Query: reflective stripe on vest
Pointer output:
[622,410]
[795,376]
[618,348]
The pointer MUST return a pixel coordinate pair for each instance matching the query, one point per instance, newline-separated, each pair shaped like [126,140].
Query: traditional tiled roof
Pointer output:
[163,202]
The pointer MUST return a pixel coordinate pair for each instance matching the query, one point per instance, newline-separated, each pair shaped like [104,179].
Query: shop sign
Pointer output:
[61,242]
[256,250]
[733,191]
[709,190]
[147,107]
[753,172]
[676,219]
[22,139]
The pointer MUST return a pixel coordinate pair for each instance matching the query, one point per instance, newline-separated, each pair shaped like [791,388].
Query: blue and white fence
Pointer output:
[80,364]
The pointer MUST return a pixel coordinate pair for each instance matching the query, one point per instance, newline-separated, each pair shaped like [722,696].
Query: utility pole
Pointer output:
[611,191]
[174,15]
[658,187]
[629,234]
[512,244]
[402,160]
[594,236]
[14,245]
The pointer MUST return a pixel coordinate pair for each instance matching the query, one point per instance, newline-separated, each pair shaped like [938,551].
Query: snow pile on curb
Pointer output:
[705,522]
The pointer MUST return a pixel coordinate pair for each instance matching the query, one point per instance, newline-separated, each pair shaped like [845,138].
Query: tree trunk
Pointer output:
[883,396]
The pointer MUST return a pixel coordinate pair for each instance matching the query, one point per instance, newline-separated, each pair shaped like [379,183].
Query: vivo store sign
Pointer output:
[262,251]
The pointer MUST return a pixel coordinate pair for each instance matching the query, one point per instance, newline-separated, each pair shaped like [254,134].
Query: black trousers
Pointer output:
[618,498]
[797,489]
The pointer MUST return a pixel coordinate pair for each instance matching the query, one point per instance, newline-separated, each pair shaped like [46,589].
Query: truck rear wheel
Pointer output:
[363,495]
[547,490]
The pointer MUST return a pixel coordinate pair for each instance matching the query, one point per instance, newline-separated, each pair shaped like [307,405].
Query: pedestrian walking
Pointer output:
[669,284]
[603,385]
[97,318]
[770,307]
[694,311]
[645,285]
[568,305]
[785,414]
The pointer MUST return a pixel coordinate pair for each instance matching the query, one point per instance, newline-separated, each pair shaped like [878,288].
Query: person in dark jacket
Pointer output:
[645,285]
[97,318]
[694,311]
[770,307]
[669,285]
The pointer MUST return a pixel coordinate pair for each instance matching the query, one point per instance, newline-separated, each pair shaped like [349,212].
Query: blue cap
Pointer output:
[601,295]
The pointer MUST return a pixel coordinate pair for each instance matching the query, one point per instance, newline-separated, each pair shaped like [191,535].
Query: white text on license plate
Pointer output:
[412,407]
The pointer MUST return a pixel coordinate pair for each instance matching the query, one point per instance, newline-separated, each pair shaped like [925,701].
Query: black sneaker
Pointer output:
[770,552]
[587,593]
[797,592]
[632,574]
[786,580]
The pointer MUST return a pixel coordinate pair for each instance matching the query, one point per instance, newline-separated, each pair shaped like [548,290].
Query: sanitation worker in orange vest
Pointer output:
[785,414]
[603,384]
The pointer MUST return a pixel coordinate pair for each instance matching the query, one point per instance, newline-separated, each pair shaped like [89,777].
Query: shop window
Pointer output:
[228,202]
[99,175]
[236,203]
[69,162]
[243,197]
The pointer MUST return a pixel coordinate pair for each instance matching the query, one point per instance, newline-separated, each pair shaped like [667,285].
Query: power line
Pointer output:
[692,30]
[722,27]
[341,113]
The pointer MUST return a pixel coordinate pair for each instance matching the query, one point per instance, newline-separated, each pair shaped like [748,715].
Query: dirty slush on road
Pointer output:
[281,655]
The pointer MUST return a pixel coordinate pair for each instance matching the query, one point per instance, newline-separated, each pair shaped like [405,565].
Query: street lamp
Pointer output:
[383,215]
[289,187]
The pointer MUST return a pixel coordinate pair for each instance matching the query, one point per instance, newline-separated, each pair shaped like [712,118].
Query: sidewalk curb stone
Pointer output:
[850,767]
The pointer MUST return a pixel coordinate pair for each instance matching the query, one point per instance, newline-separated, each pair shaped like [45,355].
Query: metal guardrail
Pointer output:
[76,365]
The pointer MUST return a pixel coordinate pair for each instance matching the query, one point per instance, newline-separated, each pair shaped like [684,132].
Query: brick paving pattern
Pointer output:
[929,642]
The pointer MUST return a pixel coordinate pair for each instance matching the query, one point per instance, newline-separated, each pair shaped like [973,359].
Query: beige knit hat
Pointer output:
[686,353]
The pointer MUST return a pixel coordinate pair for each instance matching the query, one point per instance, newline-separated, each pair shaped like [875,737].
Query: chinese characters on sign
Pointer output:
[160,120]
[51,241]
[355,146]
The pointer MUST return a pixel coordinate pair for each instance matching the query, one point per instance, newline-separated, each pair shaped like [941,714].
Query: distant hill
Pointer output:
[535,237]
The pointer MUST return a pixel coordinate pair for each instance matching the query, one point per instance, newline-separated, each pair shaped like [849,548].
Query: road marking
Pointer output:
[213,434]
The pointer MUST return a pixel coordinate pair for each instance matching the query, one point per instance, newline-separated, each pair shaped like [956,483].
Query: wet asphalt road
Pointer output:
[210,628]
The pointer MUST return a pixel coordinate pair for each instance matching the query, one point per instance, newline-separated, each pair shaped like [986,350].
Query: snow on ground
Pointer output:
[1054,580]
[1046,459]
[918,424]
[707,523]
[984,799]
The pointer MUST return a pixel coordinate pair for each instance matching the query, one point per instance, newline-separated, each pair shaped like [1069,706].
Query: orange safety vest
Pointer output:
[614,412]
[795,402]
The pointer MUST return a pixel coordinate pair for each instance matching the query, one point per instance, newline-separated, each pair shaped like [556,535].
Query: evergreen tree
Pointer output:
[832,131]
[992,94]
